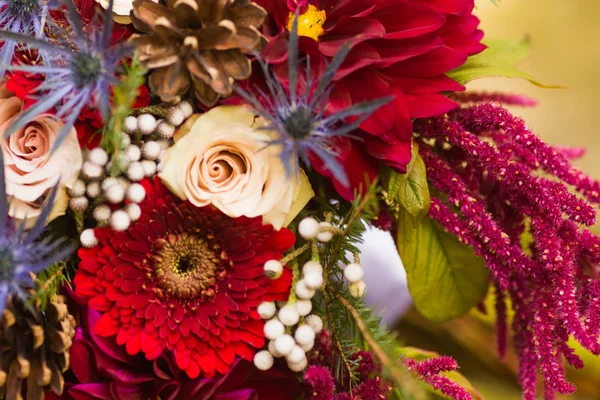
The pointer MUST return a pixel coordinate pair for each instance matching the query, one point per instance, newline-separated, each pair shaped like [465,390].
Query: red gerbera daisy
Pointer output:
[399,47]
[184,279]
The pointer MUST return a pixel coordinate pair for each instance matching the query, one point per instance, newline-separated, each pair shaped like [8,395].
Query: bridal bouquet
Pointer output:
[185,183]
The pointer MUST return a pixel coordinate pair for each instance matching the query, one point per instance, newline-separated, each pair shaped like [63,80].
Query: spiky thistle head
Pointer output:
[26,17]
[80,69]
[300,118]
[25,252]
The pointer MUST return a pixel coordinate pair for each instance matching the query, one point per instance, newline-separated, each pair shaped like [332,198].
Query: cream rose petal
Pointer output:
[221,158]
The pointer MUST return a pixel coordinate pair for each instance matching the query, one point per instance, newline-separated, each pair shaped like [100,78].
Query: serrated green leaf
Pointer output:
[410,190]
[421,355]
[499,59]
[445,278]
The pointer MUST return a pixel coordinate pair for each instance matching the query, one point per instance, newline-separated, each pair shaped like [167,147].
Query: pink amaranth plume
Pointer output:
[494,181]
[494,97]
[430,371]
[320,383]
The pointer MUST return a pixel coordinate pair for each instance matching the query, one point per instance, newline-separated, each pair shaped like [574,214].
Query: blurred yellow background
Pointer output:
[564,52]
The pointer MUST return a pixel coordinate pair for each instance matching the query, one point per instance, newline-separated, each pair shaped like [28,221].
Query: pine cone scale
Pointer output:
[205,40]
[34,346]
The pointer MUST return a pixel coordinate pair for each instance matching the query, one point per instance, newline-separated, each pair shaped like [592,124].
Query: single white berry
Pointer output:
[284,344]
[296,355]
[151,150]
[149,168]
[131,125]
[288,315]
[325,234]
[312,266]
[135,172]
[88,238]
[98,156]
[119,221]
[274,329]
[263,360]
[308,228]
[136,193]
[175,116]
[313,280]
[165,130]
[146,124]
[108,182]
[353,272]
[91,171]
[303,307]
[102,213]
[115,193]
[78,204]
[133,152]
[134,211]
[315,322]
[93,190]
[298,367]
[266,309]
[308,346]
[357,289]
[77,189]
[304,334]
[273,350]
[273,269]
[303,291]
[187,109]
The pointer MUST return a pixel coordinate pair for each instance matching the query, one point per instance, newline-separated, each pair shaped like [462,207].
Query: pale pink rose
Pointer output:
[31,169]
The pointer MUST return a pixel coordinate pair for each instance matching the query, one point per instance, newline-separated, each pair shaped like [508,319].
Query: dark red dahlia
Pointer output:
[184,280]
[399,47]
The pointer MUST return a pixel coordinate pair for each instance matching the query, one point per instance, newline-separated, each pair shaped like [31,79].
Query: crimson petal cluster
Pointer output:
[401,48]
[184,280]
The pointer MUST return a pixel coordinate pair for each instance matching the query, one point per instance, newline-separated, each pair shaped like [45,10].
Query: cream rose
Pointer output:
[220,158]
[121,9]
[31,169]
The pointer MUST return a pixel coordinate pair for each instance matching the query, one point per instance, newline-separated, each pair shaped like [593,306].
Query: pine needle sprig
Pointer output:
[48,283]
[124,96]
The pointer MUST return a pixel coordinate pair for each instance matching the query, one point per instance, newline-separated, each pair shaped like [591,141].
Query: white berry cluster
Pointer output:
[311,229]
[115,199]
[354,275]
[288,336]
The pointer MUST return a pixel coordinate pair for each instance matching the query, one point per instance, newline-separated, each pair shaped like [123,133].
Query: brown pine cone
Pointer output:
[34,347]
[199,42]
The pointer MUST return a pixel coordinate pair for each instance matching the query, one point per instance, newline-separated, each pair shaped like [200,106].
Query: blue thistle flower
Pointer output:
[25,17]
[24,252]
[79,71]
[300,118]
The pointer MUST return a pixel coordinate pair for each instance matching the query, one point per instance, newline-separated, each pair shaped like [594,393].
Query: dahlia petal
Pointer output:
[84,286]
[124,335]
[206,362]
[161,315]
[141,301]
[129,271]
[397,155]
[136,246]
[437,84]
[173,337]
[395,51]
[424,106]
[351,32]
[436,62]
[133,285]
[253,340]
[409,19]
[244,351]
[149,344]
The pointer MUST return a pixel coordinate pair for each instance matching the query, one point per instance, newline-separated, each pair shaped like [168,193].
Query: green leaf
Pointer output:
[445,278]
[410,190]
[499,59]
[421,355]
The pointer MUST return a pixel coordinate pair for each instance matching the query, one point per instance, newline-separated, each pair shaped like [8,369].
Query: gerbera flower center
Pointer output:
[186,267]
[24,8]
[310,24]
[86,69]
